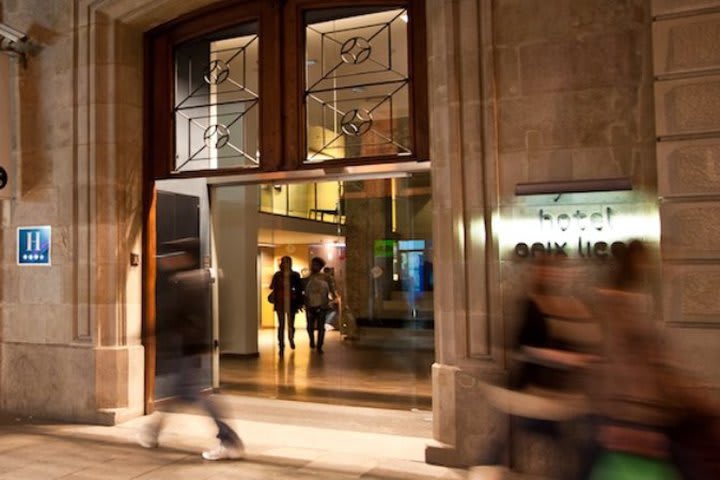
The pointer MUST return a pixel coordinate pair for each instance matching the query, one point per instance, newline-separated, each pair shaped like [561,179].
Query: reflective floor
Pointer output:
[385,369]
[283,440]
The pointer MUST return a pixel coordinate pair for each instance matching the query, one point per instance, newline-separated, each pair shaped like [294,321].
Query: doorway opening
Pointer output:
[375,236]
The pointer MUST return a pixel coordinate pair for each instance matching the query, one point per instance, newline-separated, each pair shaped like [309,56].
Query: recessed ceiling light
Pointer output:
[405,17]
[311,61]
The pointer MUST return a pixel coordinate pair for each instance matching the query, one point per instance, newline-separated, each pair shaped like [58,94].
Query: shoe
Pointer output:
[320,350]
[312,346]
[292,344]
[147,438]
[224,452]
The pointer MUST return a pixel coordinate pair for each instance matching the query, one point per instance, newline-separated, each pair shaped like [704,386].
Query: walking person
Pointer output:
[319,292]
[187,325]
[286,297]
[637,392]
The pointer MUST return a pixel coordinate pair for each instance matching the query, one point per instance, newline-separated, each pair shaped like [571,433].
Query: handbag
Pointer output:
[271,297]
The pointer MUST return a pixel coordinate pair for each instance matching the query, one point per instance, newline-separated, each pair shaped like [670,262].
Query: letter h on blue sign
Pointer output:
[34,245]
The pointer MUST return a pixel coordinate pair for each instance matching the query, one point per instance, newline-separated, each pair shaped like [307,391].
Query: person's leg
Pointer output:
[231,446]
[281,330]
[150,430]
[320,324]
[310,316]
[291,329]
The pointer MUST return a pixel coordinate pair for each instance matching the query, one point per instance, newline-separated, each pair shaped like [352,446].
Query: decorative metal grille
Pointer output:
[216,109]
[357,83]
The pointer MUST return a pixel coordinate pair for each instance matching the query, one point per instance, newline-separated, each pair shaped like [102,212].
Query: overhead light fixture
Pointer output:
[310,62]
[574,186]
[405,17]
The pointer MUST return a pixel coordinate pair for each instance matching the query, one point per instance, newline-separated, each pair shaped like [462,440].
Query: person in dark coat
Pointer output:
[286,297]
[185,308]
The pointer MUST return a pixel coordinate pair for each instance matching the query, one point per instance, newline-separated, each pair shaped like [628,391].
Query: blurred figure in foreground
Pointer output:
[556,341]
[286,297]
[637,394]
[185,310]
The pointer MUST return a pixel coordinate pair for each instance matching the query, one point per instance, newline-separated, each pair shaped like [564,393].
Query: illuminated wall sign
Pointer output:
[34,245]
[578,231]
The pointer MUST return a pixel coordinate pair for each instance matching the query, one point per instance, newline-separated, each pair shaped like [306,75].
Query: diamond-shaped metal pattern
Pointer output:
[357,95]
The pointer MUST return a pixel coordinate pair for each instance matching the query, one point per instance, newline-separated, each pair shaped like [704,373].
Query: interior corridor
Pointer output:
[384,370]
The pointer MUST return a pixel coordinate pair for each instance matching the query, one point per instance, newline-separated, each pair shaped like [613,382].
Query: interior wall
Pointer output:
[235,225]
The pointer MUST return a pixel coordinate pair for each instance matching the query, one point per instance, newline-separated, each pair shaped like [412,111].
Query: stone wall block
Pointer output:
[519,21]
[507,71]
[595,61]
[690,230]
[601,162]
[687,106]
[35,170]
[113,82]
[59,324]
[689,168]
[514,168]
[686,44]
[45,285]
[583,118]
[528,21]
[56,389]
[25,323]
[696,350]
[479,426]
[690,294]
[37,324]
[39,207]
[111,378]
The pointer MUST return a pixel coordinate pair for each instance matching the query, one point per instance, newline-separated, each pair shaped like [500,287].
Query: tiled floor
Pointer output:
[386,369]
[283,440]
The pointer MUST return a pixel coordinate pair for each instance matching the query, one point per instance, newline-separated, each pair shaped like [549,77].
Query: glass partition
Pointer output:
[322,202]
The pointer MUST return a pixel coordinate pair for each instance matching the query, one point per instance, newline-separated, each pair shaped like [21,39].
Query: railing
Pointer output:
[321,202]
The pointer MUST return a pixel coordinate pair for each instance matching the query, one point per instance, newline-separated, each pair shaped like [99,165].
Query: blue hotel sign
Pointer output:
[34,246]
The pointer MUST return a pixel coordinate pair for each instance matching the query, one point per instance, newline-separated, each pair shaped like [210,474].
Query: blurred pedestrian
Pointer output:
[556,341]
[180,273]
[635,394]
[286,297]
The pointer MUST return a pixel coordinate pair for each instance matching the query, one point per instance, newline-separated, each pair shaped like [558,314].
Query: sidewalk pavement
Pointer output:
[292,443]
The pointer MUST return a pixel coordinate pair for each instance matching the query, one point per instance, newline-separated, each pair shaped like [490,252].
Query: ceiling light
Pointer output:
[405,17]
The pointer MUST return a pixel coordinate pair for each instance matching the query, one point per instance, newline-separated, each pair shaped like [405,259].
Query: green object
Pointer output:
[384,248]
[623,466]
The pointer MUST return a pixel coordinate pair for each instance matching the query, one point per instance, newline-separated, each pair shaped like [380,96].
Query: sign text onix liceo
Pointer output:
[576,232]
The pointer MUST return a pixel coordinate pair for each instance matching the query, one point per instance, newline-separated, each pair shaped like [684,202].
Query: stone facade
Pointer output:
[686,63]
[519,91]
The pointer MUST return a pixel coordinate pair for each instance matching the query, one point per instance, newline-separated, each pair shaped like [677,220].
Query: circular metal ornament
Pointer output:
[216,136]
[355,50]
[3,178]
[356,122]
[216,72]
